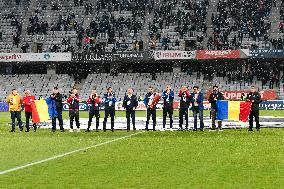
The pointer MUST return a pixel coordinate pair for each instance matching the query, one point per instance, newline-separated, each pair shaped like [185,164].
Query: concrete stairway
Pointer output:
[275,20]
[211,9]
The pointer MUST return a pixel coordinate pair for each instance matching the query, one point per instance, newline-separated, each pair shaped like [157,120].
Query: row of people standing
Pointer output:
[130,103]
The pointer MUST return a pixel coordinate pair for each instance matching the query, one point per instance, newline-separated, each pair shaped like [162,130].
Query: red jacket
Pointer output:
[27,100]
[73,102]
[94,102]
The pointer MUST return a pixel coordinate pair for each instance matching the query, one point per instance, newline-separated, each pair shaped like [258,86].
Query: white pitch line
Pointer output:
[66,154]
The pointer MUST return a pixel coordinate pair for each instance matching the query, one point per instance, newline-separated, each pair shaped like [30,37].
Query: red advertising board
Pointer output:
[215,54]
[236,95]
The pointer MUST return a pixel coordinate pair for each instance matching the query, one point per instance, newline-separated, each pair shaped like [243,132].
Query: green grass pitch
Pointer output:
[229,159]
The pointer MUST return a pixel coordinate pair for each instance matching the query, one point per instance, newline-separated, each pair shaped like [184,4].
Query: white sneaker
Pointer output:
[78,130]
[71,130]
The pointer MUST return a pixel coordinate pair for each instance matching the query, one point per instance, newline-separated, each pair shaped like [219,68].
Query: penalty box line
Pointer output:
[66,154]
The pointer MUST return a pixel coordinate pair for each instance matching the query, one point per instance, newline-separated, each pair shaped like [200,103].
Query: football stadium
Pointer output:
[142,94]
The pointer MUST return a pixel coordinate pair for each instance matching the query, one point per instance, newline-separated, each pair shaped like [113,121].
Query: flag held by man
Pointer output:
[233,110]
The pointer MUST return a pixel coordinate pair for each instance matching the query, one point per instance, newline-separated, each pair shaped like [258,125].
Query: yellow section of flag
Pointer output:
[234,110]
[42,110]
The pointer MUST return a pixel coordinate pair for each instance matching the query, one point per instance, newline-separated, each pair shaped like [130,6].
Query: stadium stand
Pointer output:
[38,84]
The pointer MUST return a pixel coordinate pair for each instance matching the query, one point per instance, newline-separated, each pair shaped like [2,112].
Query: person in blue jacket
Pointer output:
[197,107]
[168,98]
[109,102]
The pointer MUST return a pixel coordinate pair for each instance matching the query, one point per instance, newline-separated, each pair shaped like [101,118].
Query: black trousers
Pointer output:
[93,113]
[183,112]
[200,113]
[16,115]
[74,114]
[109,111]
[254,114]
[28,117]
[130,113]
[151,112]
[213,115]
[169,111]
[59,117]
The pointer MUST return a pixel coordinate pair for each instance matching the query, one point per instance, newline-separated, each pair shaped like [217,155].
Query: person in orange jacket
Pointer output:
[28,99]
[14,101]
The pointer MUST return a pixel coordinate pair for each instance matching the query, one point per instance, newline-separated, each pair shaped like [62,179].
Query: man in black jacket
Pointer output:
[214,96]
[255,98]
[57,97]
[130,103]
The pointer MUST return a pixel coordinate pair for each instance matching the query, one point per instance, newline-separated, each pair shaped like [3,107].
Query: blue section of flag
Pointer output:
[4,107]
[222,110]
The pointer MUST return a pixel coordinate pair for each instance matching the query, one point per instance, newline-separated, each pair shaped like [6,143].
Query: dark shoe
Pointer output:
[134,129]
[201,129]
[27,131]
[87,130]
[53,130]
[62,130]
[112,130]
[194,130]
[12,131]
[127,130]
[258,130]
[21,129]
[97,130]
[250,130]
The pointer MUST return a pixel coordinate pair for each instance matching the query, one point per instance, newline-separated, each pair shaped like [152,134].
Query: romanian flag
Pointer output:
[39,111]
[233,110]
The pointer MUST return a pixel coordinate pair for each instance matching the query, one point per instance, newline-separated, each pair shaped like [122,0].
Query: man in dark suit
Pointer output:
[197,107]
[151,108]
[168,98]
[255,98]
[109,101]
[214,96]
[130,103]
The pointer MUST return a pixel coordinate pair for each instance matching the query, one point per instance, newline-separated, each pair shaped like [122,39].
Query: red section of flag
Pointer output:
[35,116]
[244,111]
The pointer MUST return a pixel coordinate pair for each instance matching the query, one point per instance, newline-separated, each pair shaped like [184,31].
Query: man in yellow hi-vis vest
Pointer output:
[15,102]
